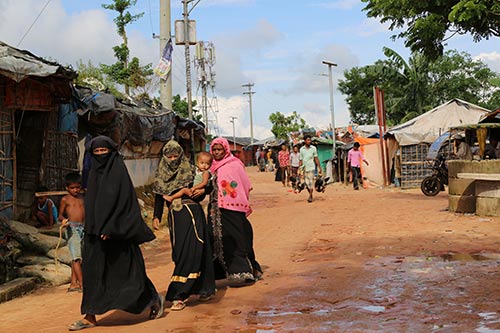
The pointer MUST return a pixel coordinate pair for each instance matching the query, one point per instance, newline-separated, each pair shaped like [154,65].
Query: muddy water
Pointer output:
[394,294]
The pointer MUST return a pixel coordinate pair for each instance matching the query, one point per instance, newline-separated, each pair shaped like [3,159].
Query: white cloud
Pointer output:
[236,106]
[371,26]
[231,47]
[492,59]
[88,35]
[308,80]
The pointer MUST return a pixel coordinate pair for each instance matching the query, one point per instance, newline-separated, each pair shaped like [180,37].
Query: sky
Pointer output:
[278,45]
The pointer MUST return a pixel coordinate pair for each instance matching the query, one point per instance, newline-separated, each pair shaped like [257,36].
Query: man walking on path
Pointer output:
[354,158]
[308,162]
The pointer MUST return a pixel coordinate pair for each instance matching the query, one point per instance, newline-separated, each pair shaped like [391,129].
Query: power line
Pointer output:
[32,24]
[150,18]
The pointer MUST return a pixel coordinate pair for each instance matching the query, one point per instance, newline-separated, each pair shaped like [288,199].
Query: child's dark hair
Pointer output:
[73,177]
[307,136]
[356,144]
[204,154]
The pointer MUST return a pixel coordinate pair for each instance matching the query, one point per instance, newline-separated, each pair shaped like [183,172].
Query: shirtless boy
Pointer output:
[72,216]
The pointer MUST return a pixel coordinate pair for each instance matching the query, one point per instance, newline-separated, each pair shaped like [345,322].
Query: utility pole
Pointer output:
[165,85]
[185,13]
[330,64]
[250,93]
[234,135]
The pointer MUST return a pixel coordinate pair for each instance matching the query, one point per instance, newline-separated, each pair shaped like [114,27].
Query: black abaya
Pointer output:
[191,251]
[114,275]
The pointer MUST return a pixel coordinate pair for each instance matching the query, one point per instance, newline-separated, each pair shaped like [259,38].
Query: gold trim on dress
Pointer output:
[194,225]
[184,279]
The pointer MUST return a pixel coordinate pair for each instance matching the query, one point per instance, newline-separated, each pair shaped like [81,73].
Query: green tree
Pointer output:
[417,85]
[424,23]
[283,125]
[180,107]
[127,72]
[408,83]
[358,87]
[91,76]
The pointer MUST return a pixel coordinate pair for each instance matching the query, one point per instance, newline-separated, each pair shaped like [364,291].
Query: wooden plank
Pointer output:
[488,188]
[479,176]
[47,193]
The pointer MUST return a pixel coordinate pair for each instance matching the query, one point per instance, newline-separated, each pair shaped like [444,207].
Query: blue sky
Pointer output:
[276,44]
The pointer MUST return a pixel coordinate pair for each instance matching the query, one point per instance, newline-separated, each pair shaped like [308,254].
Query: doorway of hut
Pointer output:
[30,129]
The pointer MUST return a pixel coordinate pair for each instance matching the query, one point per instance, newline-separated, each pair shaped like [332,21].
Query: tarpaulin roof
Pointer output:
[140,123]
[19,64]
[429,126]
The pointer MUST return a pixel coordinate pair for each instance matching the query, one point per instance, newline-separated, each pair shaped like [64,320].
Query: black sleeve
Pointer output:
[158,206]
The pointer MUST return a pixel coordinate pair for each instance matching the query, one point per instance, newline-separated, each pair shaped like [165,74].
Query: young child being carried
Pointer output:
[201,179]
[72,216]
[44,211]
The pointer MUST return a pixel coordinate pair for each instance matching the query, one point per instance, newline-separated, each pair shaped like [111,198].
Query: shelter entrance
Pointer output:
[30,127]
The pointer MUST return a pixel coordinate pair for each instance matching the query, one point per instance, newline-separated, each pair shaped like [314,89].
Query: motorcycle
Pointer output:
[432,185]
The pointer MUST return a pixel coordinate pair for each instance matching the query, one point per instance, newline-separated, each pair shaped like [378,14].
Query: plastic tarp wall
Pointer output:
[372,152]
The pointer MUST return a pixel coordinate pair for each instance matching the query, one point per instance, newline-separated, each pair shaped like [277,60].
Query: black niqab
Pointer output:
[111,206]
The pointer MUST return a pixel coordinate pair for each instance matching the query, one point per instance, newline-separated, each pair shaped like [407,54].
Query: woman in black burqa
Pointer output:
[114,275]
[191,249]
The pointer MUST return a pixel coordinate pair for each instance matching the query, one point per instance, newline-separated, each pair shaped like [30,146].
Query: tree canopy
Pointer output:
[180,107]
[417,85]
[282,124]
[425,23]
[126,71]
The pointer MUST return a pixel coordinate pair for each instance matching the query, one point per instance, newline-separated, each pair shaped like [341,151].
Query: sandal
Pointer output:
[178,305]
[204,298]
[157,309]
[80,325]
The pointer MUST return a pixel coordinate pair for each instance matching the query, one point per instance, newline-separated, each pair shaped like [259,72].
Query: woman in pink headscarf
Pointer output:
[228,211]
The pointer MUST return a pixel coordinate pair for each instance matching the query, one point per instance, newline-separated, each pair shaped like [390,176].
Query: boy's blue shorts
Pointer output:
[75,240]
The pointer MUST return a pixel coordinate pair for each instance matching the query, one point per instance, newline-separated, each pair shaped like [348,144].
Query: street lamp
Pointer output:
[234,135]
[330,64]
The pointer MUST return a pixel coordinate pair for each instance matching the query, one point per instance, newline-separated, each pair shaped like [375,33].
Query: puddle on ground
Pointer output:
[488,318]
[374,308]
[464,257]
[426,293]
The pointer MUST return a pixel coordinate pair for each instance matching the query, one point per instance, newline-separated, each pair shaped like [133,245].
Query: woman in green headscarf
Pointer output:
[191,252]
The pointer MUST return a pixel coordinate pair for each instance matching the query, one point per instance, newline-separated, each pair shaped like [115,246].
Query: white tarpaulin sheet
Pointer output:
[429,126]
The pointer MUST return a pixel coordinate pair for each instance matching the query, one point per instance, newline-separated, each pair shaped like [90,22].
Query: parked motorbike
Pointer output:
[433,184]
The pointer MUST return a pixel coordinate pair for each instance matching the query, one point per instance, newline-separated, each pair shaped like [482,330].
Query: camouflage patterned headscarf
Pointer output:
[173,174]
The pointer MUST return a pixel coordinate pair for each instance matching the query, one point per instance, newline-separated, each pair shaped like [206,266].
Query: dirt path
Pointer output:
[377,260]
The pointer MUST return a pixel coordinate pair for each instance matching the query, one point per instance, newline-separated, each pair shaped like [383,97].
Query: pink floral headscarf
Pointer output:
[232,180]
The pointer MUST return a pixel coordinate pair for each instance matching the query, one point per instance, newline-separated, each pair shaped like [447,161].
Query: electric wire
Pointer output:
[32,24]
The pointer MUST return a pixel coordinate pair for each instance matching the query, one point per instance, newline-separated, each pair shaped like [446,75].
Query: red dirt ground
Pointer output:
[374,260]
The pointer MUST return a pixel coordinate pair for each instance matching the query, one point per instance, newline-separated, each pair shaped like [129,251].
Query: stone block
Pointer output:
[457,186]
[56,275]
[62,255]
[22,228]
[32,240]
[17,287]
[488,206]
[31,259]
[462,203]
